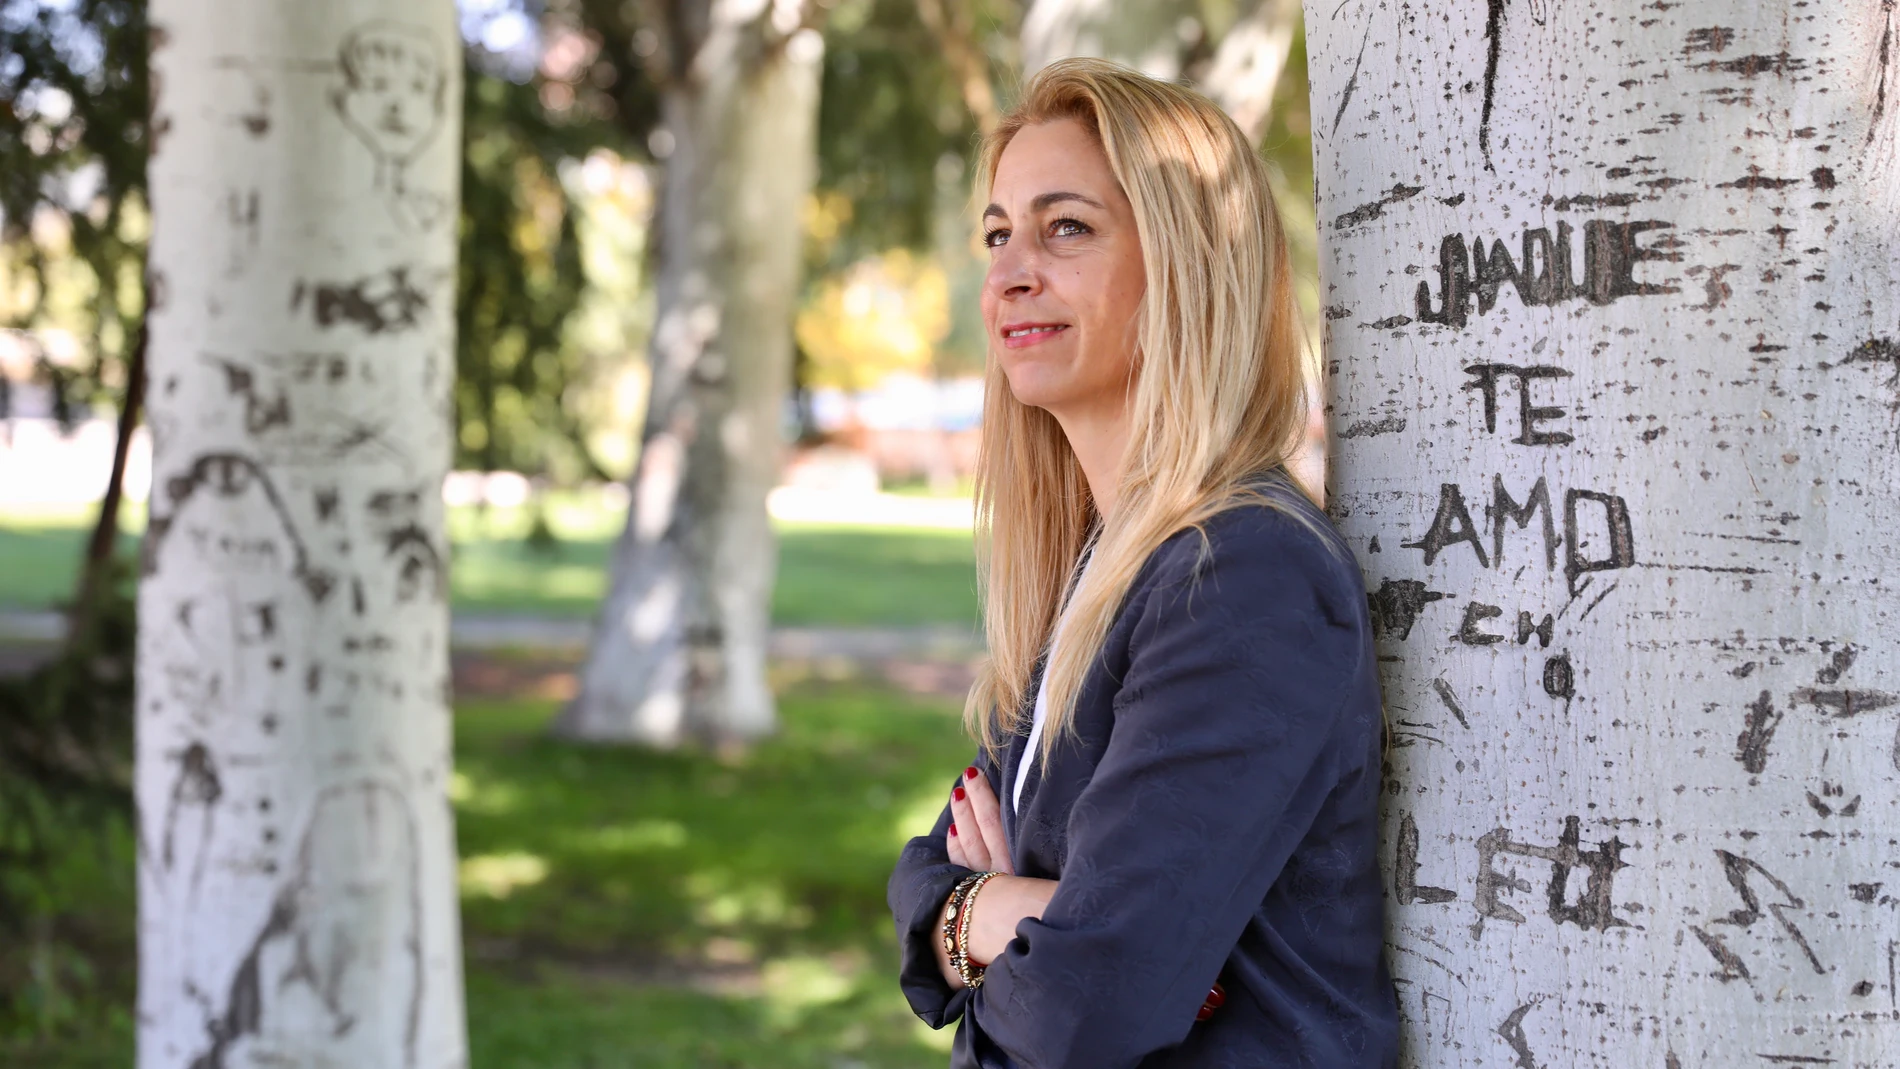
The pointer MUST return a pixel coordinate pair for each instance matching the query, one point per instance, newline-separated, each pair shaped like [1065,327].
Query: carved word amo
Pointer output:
[1452,524]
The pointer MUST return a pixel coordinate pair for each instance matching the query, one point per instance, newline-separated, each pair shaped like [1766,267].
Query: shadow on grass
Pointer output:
[698,911]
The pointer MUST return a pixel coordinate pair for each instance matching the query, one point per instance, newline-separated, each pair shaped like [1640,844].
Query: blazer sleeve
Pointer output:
[1220,756]
[918,886]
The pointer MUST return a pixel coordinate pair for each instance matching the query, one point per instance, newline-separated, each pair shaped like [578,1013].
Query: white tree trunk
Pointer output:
[1614,333]
[679,651]
[298,902]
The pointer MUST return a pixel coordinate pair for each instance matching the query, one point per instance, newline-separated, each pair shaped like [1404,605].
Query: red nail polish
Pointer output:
[969,773]
[953,829]
[959,793]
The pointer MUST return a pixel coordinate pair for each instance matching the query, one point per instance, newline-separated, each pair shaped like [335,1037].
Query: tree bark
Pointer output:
[1614,336]
[679,649]
[298,901]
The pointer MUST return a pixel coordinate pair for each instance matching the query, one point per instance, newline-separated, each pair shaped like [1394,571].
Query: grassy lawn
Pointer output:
[841,575]
[624,908]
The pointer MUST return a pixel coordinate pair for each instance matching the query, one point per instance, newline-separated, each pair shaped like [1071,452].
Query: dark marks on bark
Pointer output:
[1594,908]
[1369,428]
[1352,82]
[360,849]
[1733,967]
[1388,323]
[1367,212]
[1884,60]
[1737,867]
[1512,1030]
[1493,38]
[1443,690]
[1750,66]
[1758,181]
[227,476]
[1844,704]
[385,302]
[1712,39]
[1838,664]
[1758,730]
[1878,351]
[1405,885]
[1471,631]
[1545,274]
[1396,605]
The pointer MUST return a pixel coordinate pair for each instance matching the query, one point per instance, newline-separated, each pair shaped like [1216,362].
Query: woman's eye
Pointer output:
[993,238]
[1065,227]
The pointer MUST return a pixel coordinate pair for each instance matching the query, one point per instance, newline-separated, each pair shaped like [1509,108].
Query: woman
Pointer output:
[1179,726]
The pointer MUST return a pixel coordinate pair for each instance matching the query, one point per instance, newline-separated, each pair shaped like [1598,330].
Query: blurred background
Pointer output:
[620,906]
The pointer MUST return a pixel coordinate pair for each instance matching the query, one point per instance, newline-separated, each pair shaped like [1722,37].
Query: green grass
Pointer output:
[838,575]
[630,908]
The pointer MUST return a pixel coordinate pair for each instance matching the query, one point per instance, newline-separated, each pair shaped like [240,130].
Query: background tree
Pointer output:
[73,104]
[296,854]
[1614,328]
[680,648]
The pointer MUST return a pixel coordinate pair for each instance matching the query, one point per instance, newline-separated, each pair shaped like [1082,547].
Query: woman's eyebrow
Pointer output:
[1043,200]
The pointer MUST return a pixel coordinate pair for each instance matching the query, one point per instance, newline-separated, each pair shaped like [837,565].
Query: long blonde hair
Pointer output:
[1219,395]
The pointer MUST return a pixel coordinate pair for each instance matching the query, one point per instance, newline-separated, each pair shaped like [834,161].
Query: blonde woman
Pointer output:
[1164,854]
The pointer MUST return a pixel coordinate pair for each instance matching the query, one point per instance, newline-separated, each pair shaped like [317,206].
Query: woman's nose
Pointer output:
[1013,275]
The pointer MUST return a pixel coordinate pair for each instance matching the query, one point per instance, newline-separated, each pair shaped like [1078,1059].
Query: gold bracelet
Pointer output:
[972,974]
[952,913]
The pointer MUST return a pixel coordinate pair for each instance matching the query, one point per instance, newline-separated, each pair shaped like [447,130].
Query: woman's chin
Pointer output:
[1032,384]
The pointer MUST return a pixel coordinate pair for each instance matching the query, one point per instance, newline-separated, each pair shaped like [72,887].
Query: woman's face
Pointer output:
[1065,282]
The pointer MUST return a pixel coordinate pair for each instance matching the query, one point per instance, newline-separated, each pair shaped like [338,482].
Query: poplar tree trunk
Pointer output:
[298,902]
[679,649]
[1614,338]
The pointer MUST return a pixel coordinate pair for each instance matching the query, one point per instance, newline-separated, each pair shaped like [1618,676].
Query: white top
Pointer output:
[1042,694]
[1035,736]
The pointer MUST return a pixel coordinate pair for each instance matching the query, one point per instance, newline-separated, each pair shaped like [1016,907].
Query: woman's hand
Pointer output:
[976,841]
[976,826]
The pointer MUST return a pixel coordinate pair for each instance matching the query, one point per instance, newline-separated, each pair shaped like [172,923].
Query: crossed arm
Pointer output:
[976,841]
[1230,727]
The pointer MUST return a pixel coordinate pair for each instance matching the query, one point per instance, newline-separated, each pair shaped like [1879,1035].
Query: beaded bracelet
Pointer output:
[966,969]
[956,926]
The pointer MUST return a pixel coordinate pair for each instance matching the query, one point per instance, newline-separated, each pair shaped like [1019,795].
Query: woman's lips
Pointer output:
[1026,334]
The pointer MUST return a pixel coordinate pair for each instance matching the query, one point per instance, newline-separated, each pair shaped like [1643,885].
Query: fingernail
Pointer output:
[959,793]
[953,830]
[969,773]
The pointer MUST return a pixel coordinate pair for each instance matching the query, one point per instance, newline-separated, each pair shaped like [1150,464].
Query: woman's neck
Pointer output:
[1098,435]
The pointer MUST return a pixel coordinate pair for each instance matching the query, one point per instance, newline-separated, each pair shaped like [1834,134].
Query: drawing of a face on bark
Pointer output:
[391,98]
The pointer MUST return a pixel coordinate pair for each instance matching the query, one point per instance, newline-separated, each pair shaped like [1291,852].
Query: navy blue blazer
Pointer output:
[1218,819]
